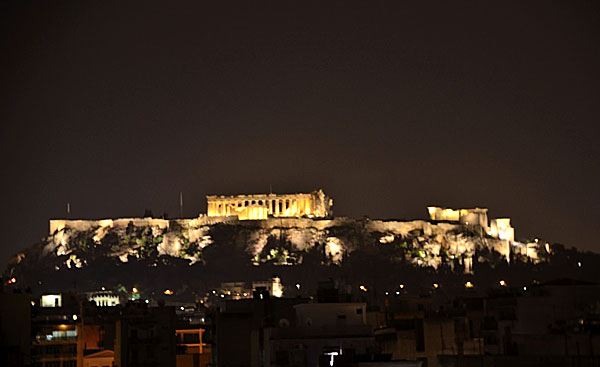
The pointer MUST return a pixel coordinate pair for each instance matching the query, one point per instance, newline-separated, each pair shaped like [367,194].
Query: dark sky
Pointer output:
[389,107]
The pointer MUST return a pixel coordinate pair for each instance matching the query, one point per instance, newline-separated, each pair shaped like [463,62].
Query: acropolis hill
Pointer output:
[282,229]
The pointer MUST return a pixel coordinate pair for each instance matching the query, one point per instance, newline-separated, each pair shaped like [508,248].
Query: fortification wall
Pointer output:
[56,225]
[86,225]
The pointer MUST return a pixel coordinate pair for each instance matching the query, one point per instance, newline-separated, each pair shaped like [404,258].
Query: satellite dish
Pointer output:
[284,323]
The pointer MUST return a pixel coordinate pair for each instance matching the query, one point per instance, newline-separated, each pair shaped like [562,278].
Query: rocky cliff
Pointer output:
[76,243]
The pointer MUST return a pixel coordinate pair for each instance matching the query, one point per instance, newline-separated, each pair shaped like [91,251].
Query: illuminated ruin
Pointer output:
[262,222]
[262,206]
[498,228]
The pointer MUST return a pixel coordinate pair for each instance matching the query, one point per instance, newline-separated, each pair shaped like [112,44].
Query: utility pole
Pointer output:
[80,336]
[180,204]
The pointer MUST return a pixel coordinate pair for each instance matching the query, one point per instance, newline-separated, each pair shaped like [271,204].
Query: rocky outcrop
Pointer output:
[282,241]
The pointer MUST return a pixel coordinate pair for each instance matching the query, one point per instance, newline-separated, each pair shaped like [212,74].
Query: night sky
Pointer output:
[389,107]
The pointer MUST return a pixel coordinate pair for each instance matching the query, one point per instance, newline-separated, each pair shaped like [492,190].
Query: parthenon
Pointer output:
[262,206]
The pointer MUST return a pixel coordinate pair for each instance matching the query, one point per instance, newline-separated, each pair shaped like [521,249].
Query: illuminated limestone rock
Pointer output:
[284,229]
[262,206]
[425,243]
[500,227]
[334,249]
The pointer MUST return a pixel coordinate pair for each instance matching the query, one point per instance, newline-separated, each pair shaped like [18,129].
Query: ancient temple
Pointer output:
[262,206]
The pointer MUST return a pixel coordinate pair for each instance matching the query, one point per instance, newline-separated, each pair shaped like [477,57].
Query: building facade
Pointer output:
[262,206]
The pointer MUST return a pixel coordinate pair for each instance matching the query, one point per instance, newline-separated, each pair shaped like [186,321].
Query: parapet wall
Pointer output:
[86,225]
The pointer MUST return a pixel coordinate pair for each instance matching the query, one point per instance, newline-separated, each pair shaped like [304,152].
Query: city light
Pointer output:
[74,317]
[436,286]
[363,288]
[298,286]
[401,286]
[134,290]
[469,285]
[502,283]
[168,292]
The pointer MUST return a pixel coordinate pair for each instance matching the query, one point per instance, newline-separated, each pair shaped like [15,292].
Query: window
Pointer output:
[420,335]
[51,349]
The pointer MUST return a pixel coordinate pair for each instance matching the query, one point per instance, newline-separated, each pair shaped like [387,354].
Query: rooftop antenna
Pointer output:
[180,204]
[68,209]
[270,189]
